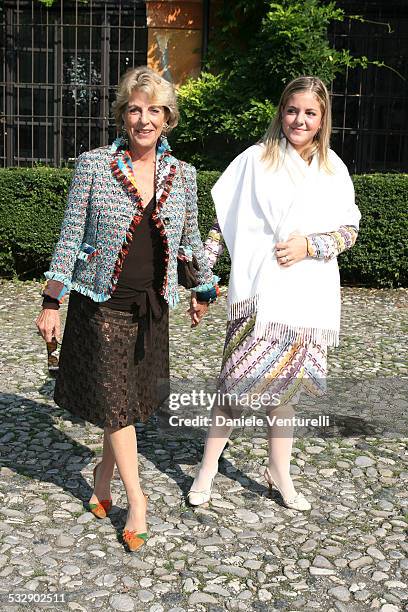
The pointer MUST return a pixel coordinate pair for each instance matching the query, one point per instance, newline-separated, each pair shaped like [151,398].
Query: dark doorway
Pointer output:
[370,107]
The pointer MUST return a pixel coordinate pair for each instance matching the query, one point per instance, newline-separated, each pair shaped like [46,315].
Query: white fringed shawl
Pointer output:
[258,207]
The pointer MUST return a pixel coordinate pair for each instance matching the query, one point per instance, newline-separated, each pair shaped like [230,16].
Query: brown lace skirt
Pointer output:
[113,370]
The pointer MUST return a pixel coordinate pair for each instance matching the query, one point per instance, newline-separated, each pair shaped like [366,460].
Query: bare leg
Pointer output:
[280,441]
[217,437]
[104,472]
[124,446]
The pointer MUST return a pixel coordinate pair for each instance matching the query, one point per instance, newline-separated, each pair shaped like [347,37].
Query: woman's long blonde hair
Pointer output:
[321,141]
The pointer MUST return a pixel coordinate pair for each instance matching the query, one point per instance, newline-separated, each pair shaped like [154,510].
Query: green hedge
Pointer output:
[32,203]
[380,256]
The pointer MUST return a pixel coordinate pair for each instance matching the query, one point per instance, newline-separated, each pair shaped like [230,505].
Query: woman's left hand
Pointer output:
[291,251]
[197,310]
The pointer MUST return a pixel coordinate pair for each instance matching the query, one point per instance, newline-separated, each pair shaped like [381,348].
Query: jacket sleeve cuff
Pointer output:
[56,288]
[207,286]
[208,296]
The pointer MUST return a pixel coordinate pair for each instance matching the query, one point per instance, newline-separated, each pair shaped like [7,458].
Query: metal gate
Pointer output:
[60,68]
[370,107]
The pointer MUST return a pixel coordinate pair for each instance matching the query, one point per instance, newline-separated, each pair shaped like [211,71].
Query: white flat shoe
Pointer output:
[197,497]
[298,502]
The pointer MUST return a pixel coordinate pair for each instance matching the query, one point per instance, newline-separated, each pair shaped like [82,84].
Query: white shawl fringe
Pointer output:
[279,331]
[244,308]
[269,330]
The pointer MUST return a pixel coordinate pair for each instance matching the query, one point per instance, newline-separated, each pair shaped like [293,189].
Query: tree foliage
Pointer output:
[258,46]
[214,119]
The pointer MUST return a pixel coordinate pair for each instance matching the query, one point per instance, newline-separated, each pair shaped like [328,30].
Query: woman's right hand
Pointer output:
[197,310]
[49,324]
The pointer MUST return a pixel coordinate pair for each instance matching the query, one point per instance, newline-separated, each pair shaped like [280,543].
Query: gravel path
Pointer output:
[244,550]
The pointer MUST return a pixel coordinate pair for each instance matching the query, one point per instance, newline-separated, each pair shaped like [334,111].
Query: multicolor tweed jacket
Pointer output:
[102,212]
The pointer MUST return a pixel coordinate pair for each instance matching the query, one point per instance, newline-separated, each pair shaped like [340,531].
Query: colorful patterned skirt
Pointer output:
[279,369]
[113,369]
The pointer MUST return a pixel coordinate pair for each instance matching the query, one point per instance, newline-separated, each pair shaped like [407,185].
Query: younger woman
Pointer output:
[285,208]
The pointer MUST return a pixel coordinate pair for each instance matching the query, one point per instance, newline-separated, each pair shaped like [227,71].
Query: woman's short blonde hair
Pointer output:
[160,91]
[321,142]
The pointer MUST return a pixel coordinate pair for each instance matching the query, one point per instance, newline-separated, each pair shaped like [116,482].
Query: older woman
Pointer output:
[285,209]
[131,212]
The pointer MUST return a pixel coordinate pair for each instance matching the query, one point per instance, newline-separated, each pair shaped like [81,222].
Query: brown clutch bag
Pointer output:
[53,357]
[187,272]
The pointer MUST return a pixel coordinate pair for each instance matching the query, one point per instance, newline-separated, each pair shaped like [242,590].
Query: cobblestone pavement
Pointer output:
[244,550]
